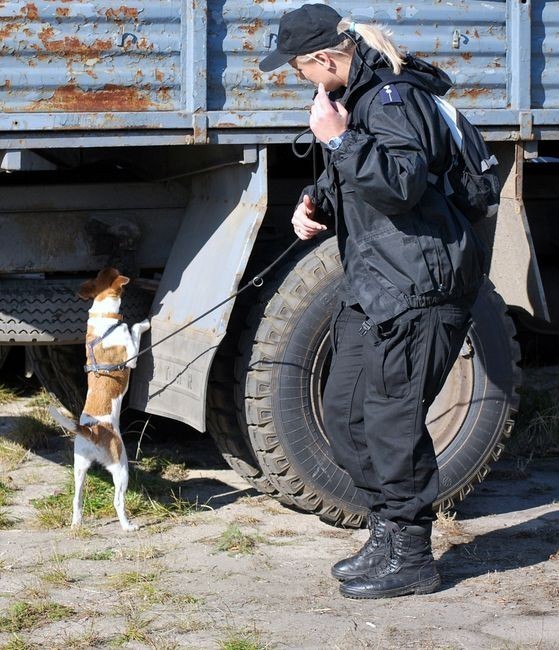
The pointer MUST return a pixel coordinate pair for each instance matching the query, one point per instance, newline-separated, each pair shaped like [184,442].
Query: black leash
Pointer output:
[256,281]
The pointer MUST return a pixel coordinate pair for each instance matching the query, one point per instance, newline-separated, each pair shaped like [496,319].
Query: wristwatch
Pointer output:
[336,142]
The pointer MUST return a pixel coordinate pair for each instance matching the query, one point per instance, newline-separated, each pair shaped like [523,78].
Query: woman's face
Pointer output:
[321,69]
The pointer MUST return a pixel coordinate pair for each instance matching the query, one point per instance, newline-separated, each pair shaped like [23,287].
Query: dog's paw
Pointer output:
[130,528]
[144,325]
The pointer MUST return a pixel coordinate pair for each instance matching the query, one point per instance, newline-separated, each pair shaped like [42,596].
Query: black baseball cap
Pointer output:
[304,30]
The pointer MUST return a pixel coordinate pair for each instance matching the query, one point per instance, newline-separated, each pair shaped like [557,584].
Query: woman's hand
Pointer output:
[328,119]
[304,225]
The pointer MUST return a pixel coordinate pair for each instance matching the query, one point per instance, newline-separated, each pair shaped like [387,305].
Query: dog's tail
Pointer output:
[63,421]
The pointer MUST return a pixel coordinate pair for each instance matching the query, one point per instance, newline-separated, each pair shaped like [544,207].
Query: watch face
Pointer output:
[334,143]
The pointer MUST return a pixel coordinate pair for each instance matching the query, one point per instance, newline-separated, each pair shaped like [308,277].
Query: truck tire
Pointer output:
[282,372]
[59,368]
[223,426]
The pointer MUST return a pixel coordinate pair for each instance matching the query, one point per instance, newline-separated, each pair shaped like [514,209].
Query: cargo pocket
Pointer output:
[391,365]
[337,326]
[453,327]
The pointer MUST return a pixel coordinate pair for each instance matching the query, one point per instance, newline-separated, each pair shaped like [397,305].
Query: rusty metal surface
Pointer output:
[239,33]
[76,56]
[173,64]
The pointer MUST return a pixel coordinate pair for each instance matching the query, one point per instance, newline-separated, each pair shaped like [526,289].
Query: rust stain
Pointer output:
[248,46]
[279,78]
[30,11]
[7,84]
[108,98]
[144,44]
[7,30]
[159,76]
[466,56]
[71,44]
[164,94]
[474,93]
[122,13]
[252,28]
[62,11]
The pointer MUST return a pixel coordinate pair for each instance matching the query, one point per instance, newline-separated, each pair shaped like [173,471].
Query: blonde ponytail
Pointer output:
[379,38]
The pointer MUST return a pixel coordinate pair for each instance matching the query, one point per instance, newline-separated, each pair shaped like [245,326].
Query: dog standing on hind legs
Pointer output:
[109,346]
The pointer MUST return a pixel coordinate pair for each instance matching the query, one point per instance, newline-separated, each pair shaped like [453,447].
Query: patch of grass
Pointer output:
[284,532]
[11,454]
[5,494]
[8,394]
[132,580]
[84,641]
[5,498]
[42,400]
[234,541]
[26,615]
[537,425]
[57,573]
[166,468]
[142,553]
[36,430]
[242,640]
[447,522]
[135,628]
[17,643]
[107,554]
[145,496]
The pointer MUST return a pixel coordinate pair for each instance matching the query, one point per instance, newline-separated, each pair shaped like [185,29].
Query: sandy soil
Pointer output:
[167,586]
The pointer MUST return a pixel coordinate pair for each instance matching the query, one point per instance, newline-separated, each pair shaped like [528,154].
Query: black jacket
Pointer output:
[402,242]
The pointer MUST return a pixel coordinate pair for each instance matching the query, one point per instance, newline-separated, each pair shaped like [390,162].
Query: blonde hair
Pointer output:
[376,36]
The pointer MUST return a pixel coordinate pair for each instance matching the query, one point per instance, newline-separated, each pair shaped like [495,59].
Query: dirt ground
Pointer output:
[169,586]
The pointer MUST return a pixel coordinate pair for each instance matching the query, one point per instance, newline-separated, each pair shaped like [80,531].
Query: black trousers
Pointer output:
[379,390]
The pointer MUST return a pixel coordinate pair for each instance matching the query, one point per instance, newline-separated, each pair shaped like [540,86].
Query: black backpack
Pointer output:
[471,182]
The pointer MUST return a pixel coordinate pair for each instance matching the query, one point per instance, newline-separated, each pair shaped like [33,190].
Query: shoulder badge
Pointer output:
[389,95]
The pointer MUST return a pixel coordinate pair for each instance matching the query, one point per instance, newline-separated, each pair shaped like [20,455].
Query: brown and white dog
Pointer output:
[109,342]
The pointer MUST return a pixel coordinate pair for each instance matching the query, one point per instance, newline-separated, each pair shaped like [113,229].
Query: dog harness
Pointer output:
[102,368]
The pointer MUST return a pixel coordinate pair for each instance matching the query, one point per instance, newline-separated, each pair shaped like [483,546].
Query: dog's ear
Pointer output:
[88,290]
[120,281]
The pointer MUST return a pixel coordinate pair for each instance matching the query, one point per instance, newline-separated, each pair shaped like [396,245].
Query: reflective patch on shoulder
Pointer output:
[389,95]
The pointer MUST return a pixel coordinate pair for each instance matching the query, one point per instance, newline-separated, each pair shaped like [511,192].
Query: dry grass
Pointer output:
[27,616]
[244,639]
[5,499]
[146,495]
[12,454]
[17,643]
[446,523]
[57,574]
[235,542]
[8,394]
[537,425]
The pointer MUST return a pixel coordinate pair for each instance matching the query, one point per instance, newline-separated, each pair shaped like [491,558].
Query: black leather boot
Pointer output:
[373,552]
[409,568]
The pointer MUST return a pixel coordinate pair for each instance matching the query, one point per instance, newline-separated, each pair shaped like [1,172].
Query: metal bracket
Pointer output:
[200,127]
[526,121]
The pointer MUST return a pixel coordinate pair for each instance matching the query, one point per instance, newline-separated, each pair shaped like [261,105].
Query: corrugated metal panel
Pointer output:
[467,39]
[545,54]
[193,64]
[74,56]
